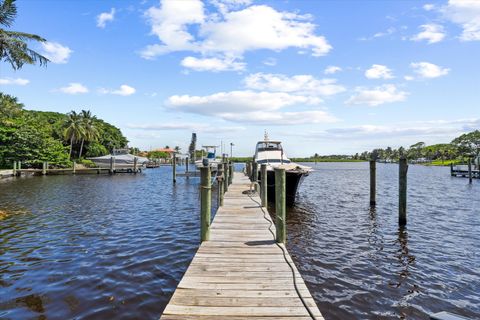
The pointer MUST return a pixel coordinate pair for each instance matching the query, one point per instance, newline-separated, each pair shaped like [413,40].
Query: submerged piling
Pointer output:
[470,169]
[263,193]
[205,203]
[402,192]
[280,205]
[373,178]
[174,168]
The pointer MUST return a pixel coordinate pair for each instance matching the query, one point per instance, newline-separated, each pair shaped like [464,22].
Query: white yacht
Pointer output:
[271,153]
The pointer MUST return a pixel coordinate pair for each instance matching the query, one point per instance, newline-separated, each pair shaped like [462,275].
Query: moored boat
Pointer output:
[210,159]
[123,161]
[271,153]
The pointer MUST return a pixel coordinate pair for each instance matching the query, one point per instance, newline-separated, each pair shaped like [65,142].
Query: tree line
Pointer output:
[36,136]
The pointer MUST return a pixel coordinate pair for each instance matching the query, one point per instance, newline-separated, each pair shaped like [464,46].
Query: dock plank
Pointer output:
[240,273]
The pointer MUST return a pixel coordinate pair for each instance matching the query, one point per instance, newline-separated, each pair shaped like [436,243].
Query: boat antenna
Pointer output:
[265,136]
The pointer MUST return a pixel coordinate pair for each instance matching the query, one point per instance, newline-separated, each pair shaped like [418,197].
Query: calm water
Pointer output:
[101,247]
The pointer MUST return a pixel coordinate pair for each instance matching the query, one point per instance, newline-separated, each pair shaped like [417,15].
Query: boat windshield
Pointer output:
[269,146]
[211,155]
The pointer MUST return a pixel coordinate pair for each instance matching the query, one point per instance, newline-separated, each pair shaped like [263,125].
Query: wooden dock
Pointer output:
[241,273]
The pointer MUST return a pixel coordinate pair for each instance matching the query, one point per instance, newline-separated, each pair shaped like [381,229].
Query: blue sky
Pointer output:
[322,76]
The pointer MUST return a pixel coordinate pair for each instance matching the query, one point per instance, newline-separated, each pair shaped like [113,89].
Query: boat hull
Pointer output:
[293,181]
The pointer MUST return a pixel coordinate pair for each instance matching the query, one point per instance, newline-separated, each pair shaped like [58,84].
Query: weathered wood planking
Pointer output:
[240,273]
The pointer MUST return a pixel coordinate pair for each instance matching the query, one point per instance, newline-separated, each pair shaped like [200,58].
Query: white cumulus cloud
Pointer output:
[387,93]
[432,33]
[378,71]
[212,64]
[105,17]
[332,70]
[305,84]
[428,70]
[56,52]
[252,107]
[74,88]
[17,81]
[124,90]
[465,13]
[230,31]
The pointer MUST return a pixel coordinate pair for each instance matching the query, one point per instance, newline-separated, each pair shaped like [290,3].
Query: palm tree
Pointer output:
[13,44]
[73,129]
[90,131]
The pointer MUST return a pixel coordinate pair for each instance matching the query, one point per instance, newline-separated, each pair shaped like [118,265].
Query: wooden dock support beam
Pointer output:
[263,193]
[225,176]
[255,175]
[373,182]
[280,205]
[402,191]
[205,203]
[220,178]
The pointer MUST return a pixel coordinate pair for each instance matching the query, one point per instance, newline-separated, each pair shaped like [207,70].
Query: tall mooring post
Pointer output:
[205,203]
[74,167]
[135,164]
[451,169]
[19,165]
[402,189]
[44,168]
[14,168]
[263,193]
[373,178]
[470,159]
[220,178]
[186,165]
[174,167]
[280,205]
[230,172]
[225,176]
[112,165]
[255,174]
[247,168]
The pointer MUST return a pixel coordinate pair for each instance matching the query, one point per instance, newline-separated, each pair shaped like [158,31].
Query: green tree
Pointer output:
[90,131]
[73,129]
[468,143]
[192,147]
[13,44]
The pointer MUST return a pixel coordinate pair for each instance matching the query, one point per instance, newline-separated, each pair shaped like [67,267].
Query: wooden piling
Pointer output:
[44,168]
[112,165]
[205,203]
[470,170]
[14,168]
[373,178]
[402,189]
[263,193]
[247,168]
[254,174]
[230,172]
[186,165]
[174,168]
[135,161]
[74,167]
[225,176]
[220,178]
[19,165]
[280,205]
[451,169]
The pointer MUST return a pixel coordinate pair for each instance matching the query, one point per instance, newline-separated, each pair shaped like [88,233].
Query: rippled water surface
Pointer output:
[99,247]
[95,247]
[360,265]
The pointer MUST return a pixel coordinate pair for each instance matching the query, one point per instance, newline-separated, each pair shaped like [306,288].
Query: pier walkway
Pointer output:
[240,273]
